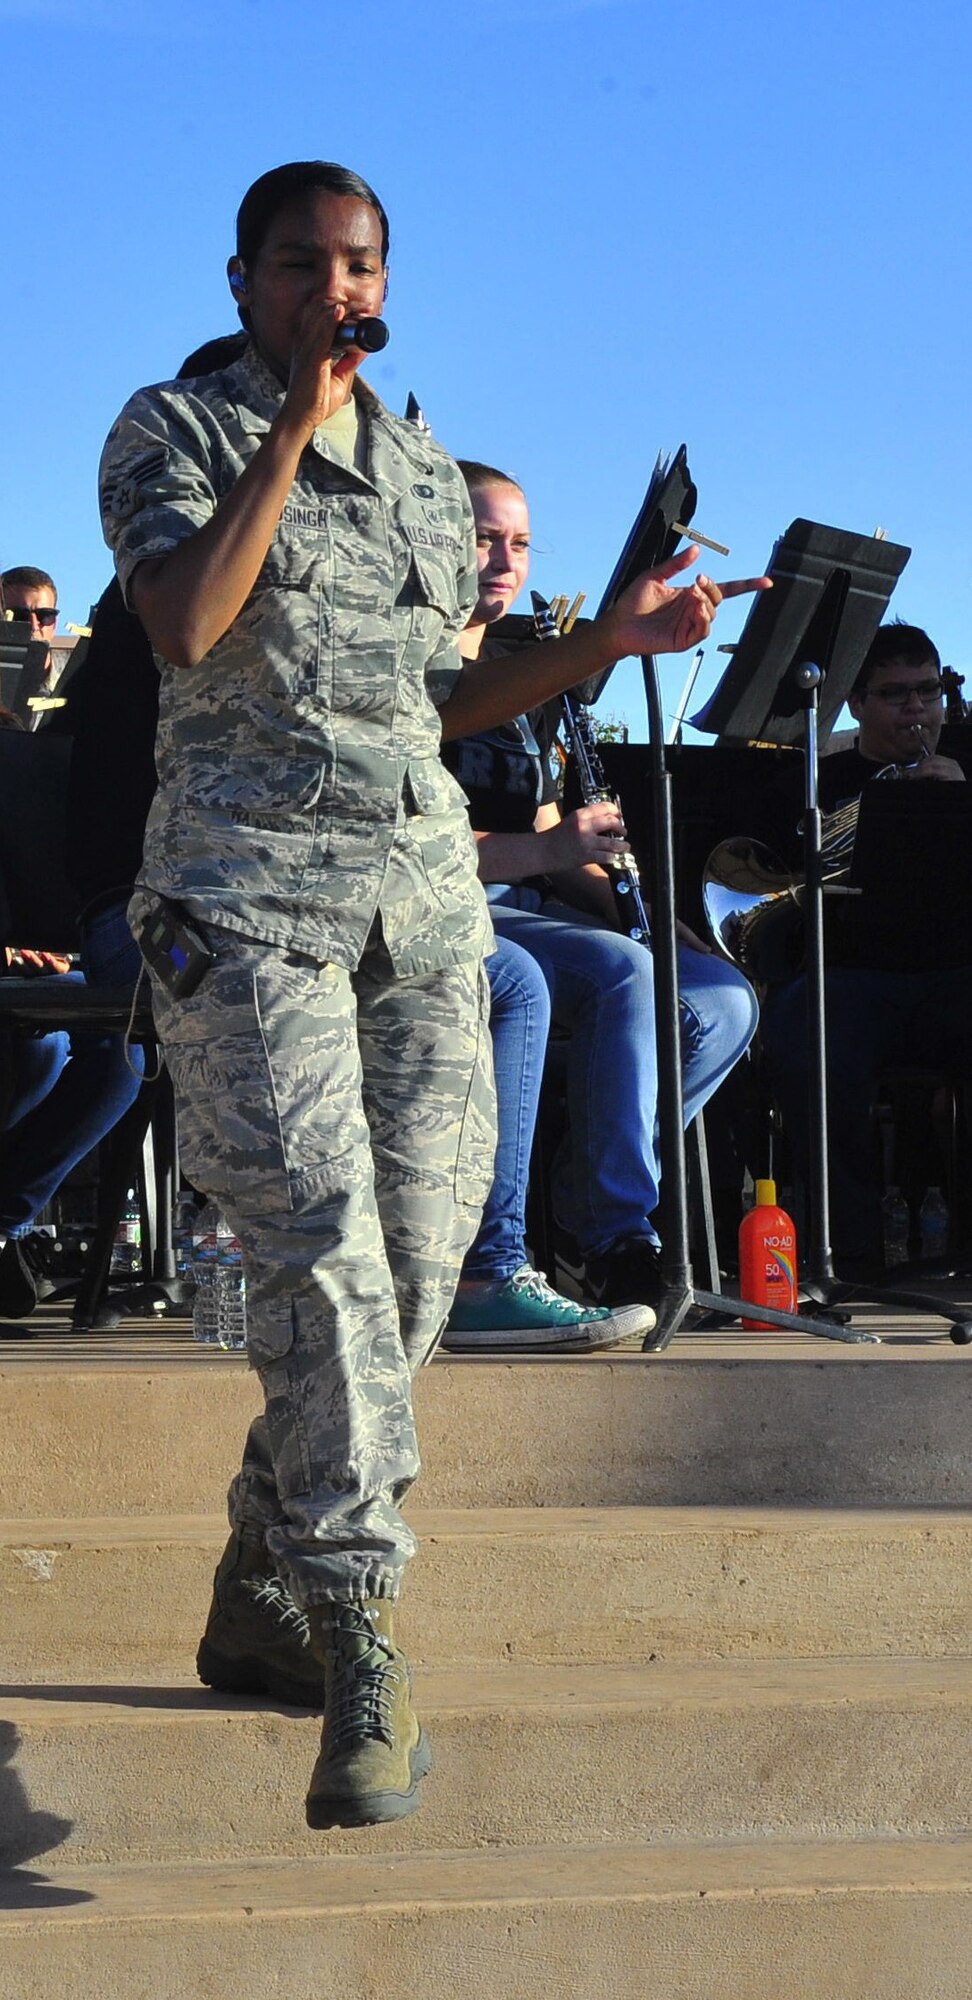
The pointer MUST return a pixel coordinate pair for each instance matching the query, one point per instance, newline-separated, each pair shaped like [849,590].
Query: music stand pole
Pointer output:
[679,1295]
[820,1273]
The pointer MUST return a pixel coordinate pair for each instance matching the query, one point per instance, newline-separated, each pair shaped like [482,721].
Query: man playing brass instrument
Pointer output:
[898,703]
[883,1006]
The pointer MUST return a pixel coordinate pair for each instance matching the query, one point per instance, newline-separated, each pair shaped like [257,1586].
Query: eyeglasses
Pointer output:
[928,693]
[45,614]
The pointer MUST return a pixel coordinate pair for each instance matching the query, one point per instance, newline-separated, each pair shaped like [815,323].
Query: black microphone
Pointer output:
[369,334]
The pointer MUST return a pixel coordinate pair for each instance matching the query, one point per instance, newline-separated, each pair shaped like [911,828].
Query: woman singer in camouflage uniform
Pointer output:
[302,562]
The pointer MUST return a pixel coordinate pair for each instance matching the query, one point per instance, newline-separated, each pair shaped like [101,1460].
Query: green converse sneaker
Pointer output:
[525,1315]
[373,1749]
[257,1640]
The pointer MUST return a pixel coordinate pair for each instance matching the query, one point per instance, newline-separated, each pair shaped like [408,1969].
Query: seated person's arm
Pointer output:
[566,850]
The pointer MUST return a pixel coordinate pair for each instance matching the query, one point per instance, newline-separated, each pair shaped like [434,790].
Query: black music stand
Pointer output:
[794,666]
[670,500]
[22,664]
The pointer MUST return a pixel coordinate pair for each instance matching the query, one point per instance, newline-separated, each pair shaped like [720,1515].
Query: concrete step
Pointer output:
[794,1750]
[105,1599]
[702,1424]
[771,1921]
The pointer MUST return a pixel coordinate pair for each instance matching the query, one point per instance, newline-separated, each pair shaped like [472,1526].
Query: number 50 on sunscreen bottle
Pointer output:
[767,1257]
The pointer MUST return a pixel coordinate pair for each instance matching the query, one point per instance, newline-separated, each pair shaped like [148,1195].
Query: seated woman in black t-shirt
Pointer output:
[549,893]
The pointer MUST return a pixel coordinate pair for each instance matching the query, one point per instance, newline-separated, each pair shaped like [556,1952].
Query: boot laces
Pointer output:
[270,1593]
[367,1672]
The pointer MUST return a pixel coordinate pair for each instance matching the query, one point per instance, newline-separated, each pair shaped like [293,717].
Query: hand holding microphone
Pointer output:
[327,350]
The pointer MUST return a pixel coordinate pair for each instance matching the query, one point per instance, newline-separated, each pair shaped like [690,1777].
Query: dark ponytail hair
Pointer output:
[284,185]
[213,356]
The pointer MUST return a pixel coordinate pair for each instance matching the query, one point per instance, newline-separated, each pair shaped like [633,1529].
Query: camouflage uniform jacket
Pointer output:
[300,786]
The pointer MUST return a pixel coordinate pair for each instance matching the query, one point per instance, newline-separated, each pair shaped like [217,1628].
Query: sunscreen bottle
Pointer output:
[767,1257]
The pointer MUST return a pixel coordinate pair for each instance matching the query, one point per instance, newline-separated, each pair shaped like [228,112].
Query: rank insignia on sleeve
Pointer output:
[120,495]
[143,470]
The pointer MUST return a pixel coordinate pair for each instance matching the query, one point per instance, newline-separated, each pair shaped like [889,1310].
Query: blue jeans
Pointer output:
[874,1020]
[601,984]
[519,1021]
[70,1090]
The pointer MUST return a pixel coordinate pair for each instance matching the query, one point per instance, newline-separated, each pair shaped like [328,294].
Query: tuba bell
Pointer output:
[753,907]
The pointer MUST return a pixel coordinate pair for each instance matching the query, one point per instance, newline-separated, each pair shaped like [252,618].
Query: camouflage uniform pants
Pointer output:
[344,1122]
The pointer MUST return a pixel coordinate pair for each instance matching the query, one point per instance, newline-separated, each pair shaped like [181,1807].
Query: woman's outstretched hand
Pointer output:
[653,617]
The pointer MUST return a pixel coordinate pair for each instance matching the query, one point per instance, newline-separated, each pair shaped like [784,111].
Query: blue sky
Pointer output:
[615,226]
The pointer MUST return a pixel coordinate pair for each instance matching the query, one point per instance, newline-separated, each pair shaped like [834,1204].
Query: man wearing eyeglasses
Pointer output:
[898,705]
[887,996]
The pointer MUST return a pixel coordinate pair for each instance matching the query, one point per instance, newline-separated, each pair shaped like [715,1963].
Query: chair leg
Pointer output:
[161,1285]
[123,1148]
[698,1165]
[165,1150]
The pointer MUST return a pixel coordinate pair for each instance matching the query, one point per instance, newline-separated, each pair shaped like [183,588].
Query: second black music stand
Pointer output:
[795,664]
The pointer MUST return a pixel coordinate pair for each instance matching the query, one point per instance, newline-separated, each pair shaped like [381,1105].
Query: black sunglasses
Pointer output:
[45,614]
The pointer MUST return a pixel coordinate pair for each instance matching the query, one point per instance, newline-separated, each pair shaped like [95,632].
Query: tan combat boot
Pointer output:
[373,1750]
[257,1640]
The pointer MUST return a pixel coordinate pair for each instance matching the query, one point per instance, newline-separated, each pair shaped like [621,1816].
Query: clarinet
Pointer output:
[622,872]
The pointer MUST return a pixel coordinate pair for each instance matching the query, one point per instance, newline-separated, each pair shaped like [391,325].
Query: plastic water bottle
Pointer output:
[933,1220]
[204,1251]
[895,1224]
[183,1220]
[128,1236]
[230,1290]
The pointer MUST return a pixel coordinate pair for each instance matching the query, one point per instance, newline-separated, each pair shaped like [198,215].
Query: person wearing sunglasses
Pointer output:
[69,1090]
[30,594]
[885,1000]
[31,597]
